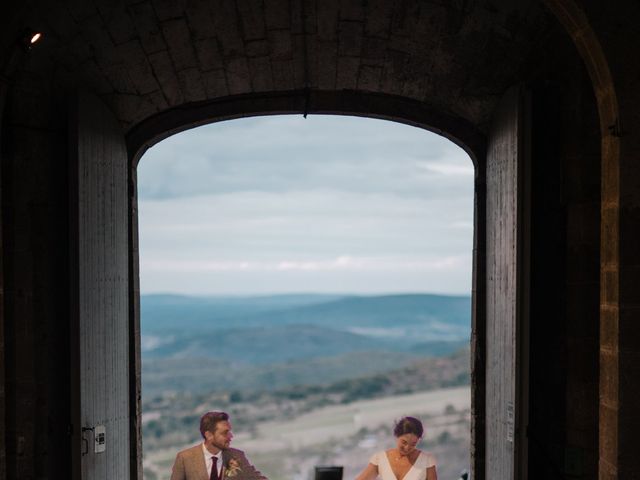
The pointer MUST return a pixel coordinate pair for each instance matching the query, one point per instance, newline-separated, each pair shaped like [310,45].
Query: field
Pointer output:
[345,435]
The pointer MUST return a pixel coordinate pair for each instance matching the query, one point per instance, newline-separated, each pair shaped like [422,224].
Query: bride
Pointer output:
[405,462]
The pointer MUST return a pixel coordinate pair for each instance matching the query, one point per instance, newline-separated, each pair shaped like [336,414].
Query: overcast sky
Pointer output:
[324,204]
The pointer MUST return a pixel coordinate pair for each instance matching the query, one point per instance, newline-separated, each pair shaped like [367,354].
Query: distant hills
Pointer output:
[272,342]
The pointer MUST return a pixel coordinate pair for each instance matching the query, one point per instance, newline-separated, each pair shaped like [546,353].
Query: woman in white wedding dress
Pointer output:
[405,462]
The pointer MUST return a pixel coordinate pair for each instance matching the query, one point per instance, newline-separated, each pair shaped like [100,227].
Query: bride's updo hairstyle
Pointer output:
[408,425]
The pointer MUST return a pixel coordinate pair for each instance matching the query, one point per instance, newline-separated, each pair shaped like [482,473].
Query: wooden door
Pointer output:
[100,301]
[507,289]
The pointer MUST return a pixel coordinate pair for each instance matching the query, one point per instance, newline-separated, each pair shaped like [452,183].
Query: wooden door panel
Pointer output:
[99,231]
[505,265]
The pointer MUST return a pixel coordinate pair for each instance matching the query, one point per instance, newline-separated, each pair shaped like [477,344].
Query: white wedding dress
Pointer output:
[417,472]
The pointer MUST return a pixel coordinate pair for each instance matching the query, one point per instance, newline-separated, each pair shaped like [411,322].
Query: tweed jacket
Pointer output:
[190,465]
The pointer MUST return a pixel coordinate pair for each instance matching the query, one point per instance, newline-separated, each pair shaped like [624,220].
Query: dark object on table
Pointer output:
[328,473]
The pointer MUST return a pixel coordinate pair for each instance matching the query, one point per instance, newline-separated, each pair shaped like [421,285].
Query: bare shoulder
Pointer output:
[428,459]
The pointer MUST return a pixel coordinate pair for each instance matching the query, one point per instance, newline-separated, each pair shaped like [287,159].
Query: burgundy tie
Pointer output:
[214,469]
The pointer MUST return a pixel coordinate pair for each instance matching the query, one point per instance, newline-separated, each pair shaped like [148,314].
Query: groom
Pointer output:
[213,459]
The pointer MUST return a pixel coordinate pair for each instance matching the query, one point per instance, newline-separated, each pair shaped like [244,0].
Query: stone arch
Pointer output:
[386,107]
[352,103]
[578,27]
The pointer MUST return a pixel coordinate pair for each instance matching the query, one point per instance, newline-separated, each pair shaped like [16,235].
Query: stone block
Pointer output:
[81,10]
[608,434]
[406,19]
[609,235]
[378,18]
[369,77]
[200,19]
[280,44]
[327,65]
[610,172]
[609,379]
[215,83]
[277,14]
[347,73]
[167,78]
[62,23]
[227,28]
[257,48]
[118,22]
[415,84]
[148,30]
[118,76]
[128,108]
[328,21]
[238,76]
[252,19]
[350,39]
[208,53]
[191,84]
[352,10]
[304,16]
[157,99]
[178,37]
[261,76]
[138,67]
[609,328]
[98,39]
[169,9]
[609,286]
[301,62]
[283,78]
[80,50]
[391,82]
[312,61]
[374,50]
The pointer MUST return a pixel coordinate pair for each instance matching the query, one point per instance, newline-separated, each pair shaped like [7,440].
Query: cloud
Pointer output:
[289,152]
[342,263]
[285,204]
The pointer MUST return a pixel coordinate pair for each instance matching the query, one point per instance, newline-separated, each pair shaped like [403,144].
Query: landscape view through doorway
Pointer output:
[312,278]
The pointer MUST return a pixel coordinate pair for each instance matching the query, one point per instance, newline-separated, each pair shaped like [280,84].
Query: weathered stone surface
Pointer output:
[215,83]
[165,73]
[277,14]
[178,37]
[261,75]
[280,44]
[148,27]
[169,9]
[252,19]
[192,85]
[369,77]
[139,68]
[208,53]
[238,76]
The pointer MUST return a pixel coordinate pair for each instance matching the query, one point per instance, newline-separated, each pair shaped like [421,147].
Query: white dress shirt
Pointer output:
[209,460]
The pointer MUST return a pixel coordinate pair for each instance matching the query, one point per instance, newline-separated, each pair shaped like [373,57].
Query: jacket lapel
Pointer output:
[200,462]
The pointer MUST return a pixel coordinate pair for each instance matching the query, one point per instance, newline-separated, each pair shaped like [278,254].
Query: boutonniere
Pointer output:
[233,468]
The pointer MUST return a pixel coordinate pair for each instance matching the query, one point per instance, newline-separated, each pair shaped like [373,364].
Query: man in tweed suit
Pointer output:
[213,459]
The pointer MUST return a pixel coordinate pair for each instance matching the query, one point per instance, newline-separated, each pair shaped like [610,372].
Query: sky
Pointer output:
[326,204]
